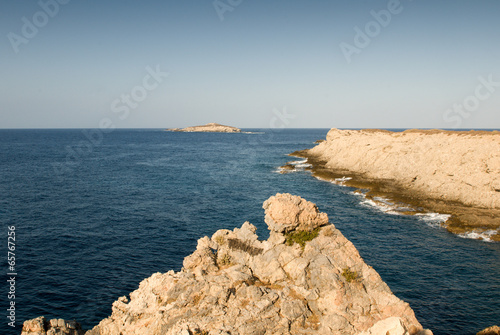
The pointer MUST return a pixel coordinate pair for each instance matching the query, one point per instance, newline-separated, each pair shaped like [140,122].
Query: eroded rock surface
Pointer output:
[42,326]
[236,284]
[285,213]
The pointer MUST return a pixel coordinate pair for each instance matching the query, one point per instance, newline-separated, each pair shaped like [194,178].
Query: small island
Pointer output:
[208,128]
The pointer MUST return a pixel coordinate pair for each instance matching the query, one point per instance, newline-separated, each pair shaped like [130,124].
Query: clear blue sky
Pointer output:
[263,57]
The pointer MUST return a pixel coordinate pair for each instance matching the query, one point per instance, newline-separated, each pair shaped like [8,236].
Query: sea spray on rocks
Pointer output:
[446,172]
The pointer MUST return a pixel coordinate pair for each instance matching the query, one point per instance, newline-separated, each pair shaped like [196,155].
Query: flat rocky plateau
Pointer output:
[448,172]
[307,278]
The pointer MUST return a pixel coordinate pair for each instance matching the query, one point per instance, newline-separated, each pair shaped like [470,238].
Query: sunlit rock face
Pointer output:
[234,283]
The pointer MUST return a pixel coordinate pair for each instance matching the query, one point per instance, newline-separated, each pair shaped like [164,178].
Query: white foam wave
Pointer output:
[341,181]
[389,207]
[433,219]
[302,161]
[383,206]
[299,165]
[485,235]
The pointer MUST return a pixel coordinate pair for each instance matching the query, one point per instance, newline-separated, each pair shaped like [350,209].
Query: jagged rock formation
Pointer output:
[208,128]
[445,171]
[307,278]
[43,326]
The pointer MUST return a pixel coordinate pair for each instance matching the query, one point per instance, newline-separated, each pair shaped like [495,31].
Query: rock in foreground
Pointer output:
[208,128]
[307,278]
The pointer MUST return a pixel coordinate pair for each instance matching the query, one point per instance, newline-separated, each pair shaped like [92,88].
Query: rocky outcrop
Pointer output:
[307,278]
[42,326]
[208,128]
[493,330]
[286,213]
[446,171]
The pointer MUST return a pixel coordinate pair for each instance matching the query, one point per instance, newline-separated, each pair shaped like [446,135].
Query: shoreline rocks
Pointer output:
[43,326]
[208,128]
[449,172]
[234,283]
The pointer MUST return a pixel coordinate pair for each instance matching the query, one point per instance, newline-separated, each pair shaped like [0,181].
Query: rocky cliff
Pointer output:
[307,278]
[444,171]
[208,128]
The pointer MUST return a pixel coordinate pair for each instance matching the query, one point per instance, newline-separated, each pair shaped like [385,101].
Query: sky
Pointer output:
[250,64]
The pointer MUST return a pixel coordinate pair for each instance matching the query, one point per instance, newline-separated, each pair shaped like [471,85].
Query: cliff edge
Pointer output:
[307,278]
[451,172]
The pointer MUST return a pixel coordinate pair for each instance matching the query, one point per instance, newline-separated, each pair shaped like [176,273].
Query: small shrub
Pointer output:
[349,275]
[220,240]
[196,299]
[301,237]
[225,260]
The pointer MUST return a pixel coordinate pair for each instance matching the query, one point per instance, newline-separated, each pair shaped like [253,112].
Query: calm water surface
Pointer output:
[95,217]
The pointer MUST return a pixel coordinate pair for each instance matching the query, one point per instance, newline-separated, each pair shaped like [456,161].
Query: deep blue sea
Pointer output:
[94,214]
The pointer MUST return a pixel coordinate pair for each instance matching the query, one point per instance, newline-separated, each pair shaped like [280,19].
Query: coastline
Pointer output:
[465,219]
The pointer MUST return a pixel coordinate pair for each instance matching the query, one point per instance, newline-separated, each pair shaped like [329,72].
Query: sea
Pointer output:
[94,213]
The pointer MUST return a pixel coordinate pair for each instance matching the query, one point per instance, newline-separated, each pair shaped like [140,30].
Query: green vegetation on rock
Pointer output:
[349,275]
[301,237]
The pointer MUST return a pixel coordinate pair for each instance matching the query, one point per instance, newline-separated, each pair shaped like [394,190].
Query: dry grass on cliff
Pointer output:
[236,244]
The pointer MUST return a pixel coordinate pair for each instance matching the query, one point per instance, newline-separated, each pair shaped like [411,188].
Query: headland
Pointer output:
[448,172]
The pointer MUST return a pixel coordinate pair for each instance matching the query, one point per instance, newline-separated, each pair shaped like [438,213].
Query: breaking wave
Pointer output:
[294,166]
[476,235]
[390,207]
